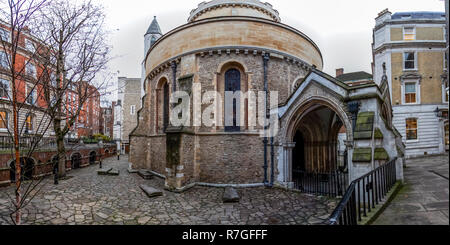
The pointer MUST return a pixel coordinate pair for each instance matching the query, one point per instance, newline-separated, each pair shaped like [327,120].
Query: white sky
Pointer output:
[341,28]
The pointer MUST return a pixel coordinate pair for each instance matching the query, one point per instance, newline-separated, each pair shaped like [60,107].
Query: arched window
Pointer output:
[162,105]
[165,106]
[232,115]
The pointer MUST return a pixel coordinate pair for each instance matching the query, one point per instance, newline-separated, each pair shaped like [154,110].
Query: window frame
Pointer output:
[6,61]
[415,61]
[8,88]
[27,71]
[414,33]
[417,86]
[4,120]
[33,95]
[133,110]
[29,45]
[30,122]
[445,61]
[5,31]
[417,130]
[444,91]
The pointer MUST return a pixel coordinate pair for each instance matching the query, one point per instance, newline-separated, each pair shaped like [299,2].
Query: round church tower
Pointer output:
[226,46]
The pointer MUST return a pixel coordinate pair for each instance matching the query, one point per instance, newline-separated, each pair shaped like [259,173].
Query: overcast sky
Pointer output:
[341,28]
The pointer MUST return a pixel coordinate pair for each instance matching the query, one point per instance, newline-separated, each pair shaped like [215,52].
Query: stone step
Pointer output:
[150,191]
[145,174]
[104,171]
[230,195]
[109,172]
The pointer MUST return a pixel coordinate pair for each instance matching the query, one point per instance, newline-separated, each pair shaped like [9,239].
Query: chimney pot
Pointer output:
[339,72]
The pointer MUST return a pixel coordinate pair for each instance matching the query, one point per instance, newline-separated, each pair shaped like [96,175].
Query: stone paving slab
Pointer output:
[90,199]
[424,199]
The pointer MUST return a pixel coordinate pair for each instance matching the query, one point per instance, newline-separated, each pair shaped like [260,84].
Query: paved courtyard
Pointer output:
[87,198]
[424,198]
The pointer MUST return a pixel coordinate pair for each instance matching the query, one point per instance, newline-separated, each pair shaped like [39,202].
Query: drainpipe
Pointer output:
[174,74]
[266,58]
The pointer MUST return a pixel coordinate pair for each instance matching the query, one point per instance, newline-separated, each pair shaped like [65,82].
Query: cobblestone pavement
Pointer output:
[117,200]
[424,198]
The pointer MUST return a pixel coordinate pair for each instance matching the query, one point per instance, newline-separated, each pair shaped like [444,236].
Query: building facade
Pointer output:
[107,121]
[231,46]
[125,111]
[32,117]
[411,48]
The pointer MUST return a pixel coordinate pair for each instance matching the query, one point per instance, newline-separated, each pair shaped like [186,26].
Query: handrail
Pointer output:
[360,199]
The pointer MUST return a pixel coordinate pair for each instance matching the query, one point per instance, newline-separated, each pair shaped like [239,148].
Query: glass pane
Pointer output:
[411,124]
[411,134]
[409,56]
[410,65]
[410,88]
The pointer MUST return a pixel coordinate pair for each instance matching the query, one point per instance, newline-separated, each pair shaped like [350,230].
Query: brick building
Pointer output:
[231,46]
[32,116]
[89,119]
[412,47]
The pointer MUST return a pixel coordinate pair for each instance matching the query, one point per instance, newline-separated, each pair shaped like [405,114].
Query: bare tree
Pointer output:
[21,88]
[75,33]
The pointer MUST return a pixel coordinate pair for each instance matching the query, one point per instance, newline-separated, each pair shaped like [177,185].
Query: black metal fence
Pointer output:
[331,184]
[364,194]
[27,142]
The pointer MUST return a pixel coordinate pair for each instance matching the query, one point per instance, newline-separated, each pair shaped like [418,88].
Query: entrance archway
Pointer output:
[92,157]
[317,143]
[76,160]
[26,173]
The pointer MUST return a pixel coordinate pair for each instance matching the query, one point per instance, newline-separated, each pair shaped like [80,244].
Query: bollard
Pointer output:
[56,175]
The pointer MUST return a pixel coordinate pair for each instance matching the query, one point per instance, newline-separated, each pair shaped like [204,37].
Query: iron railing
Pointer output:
[331,183]
[27,142]
[364,194]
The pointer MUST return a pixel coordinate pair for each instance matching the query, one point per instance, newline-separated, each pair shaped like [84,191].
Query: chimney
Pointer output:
[339,72]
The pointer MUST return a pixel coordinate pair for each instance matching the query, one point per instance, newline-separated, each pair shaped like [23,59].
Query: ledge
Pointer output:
[379,209]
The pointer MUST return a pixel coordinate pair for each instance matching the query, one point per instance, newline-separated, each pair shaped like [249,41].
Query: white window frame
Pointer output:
[415,61]
[4,32]
[8,85]
[33,95]
[27,69]
[414,33]
[7,122]
[445,61]
[4,54]
[444,92]
[417,83]
[29,45]
[133,110]
[406,130]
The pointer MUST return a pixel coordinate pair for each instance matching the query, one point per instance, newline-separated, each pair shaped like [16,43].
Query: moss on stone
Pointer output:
[381,154]
[378,134]
[364,125]
[362,155]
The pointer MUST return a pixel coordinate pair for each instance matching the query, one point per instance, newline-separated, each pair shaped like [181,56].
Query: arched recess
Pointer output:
[162,106]
[92,157]
[76,160]
[27,165]
[319,121]
[226,76]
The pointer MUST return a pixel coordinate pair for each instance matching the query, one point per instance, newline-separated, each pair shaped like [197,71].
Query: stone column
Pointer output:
[287,166]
